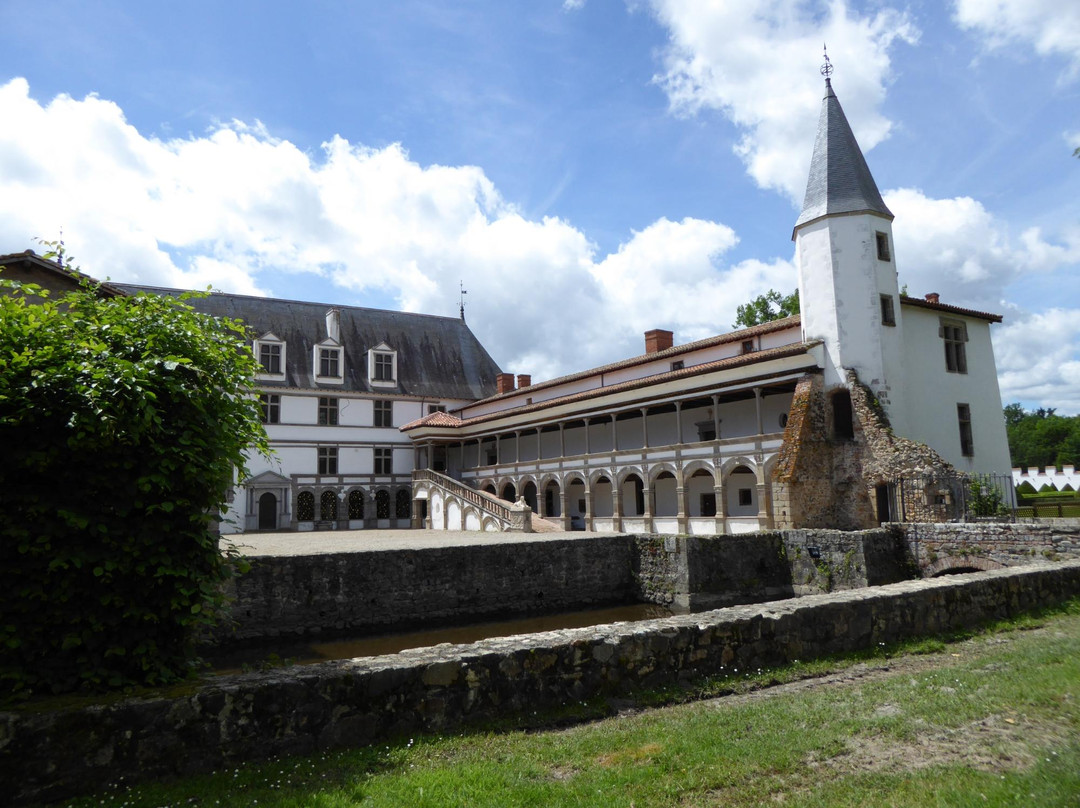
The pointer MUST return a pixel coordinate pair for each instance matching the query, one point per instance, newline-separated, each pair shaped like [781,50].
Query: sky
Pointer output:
[587,170]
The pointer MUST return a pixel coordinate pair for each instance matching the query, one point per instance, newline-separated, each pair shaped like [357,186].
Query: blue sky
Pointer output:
[590,170]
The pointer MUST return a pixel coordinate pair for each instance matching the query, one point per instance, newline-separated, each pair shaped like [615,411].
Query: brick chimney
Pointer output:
[658,340]
[933,297]
[504,383]
[524,380]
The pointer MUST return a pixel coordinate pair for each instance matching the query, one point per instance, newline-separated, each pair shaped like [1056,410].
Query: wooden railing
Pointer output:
[481,499]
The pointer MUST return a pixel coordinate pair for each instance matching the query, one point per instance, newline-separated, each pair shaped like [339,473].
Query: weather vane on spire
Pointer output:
[464,291]
[827,68]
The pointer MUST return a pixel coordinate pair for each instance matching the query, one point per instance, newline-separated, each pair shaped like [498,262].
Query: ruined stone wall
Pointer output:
[51,755]
[823,479]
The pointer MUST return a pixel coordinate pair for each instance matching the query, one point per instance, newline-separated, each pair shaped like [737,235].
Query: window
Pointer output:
[746,496]
[888,314]
[403,503]
[883,246]
[967,445]
[330,362]
[678,365]
[384,367]
[436,408]
[271,408]
[384,460]
[305,506]
[328,411]
[706,430]
[356,504]
[328,460]
[384,413]
[328,506]
[270,357]
[382,504]
[747,346]
[954,335]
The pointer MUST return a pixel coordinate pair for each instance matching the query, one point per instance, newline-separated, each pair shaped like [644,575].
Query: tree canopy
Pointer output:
[764,308]
[123,421]
[1042,438]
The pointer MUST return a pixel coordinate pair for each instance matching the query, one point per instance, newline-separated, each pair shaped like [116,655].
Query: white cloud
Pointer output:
[1050,27]
[223,208]
[573,5]
[957,248]
[1038,359]
[1073,139]
[758,64]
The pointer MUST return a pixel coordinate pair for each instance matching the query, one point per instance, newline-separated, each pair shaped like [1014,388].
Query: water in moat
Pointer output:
[308,652]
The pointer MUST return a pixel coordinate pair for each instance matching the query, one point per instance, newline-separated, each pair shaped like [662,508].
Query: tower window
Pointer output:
[883,246]
[888,313]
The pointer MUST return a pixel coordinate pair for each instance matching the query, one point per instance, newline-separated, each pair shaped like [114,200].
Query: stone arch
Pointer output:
[694,466]
[955,565]
[664,468]
[699,482]
[734,462]
[473,518]
[577,495]
[602,490]
[403,503]
[267,511]
[741,481]
[489,488]
[529,493]
[663,488]
[550,492]
[627,471]
[508,491]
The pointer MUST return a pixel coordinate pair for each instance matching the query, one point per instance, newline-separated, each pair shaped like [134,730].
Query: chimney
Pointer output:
[524,380]
[658,340]
[333,324]
[504,383]
[933,297]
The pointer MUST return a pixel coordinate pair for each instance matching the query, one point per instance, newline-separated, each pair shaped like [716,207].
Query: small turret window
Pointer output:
[883,253]
[888,313]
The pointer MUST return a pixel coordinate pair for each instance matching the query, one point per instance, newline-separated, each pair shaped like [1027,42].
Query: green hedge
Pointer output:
[123,421]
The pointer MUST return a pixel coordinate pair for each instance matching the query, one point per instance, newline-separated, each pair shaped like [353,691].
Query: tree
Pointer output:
[764,308]
[1042,438]
[123,421]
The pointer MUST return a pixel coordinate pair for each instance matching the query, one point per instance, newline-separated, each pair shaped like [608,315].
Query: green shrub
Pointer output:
[123,421]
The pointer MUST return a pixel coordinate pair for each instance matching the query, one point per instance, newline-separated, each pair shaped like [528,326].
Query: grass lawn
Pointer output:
[991,718]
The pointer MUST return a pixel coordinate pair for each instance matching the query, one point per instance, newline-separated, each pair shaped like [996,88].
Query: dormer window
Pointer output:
[270,352]
[329,364]
[382,366]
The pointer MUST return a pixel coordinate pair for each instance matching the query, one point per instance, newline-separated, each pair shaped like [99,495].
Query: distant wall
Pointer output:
[365,592]
[52,755]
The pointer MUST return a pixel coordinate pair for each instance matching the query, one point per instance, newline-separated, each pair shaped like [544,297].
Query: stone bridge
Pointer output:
[948,548]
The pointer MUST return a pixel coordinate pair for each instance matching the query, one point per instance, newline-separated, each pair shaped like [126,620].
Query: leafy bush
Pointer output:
[984,498]
[123,421]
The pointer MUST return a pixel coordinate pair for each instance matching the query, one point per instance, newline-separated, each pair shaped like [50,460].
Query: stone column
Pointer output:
[716,416]
[498,451]
[682,514]
[562,438]
[590,508]
[647,496]
[616,503]
[614,434]
[678,423]
[588,450]
[645,427]
[539,446]
[563,509]
[721,505]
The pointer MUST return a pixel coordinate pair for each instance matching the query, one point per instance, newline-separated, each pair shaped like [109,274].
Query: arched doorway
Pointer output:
[509,493]
[267,512]
[633,496]
[529,492]
[551,499]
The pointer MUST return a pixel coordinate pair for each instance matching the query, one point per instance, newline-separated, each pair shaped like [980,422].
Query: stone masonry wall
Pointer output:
[941,548]
[364,592]
[51,755]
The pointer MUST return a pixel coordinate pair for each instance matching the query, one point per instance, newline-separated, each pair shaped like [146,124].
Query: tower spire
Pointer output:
[461,298]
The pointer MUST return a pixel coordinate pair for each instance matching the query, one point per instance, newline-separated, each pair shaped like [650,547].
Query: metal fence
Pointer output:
[943,497]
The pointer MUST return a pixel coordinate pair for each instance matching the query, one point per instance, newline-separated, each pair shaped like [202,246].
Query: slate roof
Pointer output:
[438,357]
[839,181]
[30,266]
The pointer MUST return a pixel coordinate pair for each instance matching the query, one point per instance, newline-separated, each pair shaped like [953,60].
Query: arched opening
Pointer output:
[382,504]
[633,496]
[529,492]
[603,502]
[742,492]
[356,504]
[509,493]
[551,499]
[843,423]
[576,504]
[665,496]
[489,489]
[403,503]
[267,512]
[328,505]
[305,506]
[701,493]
